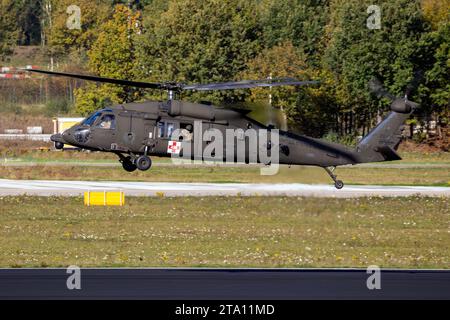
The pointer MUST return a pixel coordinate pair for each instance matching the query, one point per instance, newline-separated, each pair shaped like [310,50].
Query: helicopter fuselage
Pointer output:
[148,128]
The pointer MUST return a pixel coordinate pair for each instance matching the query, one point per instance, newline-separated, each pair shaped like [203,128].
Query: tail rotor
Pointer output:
[398,104]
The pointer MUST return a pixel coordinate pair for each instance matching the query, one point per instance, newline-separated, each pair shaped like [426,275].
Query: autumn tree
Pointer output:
[112,55]
[281,61]
[133,4]
[436,11]
[63,35]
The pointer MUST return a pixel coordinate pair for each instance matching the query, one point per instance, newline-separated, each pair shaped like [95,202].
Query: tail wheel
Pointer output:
[143,163]
[339,184]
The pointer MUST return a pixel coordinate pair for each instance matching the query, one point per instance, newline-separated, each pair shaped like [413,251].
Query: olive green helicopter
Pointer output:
[137,131]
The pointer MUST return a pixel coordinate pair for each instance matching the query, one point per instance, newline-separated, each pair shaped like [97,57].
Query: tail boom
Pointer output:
[382,142]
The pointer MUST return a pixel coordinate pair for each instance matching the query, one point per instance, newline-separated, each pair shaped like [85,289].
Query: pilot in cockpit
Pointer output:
[107,122]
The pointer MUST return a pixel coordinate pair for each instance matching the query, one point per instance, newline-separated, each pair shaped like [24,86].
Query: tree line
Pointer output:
[201,41]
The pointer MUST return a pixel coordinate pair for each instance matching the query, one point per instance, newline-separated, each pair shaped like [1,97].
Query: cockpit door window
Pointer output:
[108,121]
[170,129]
[161,129]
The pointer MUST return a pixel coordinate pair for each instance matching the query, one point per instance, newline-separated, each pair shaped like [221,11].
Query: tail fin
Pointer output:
[382,142]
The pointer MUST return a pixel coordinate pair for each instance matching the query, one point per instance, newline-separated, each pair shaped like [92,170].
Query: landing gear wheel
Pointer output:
[143,163]
[339,184]
[128,165]
[59,145]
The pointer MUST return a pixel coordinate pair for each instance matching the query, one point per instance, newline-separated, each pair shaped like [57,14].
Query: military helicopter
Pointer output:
[137,131]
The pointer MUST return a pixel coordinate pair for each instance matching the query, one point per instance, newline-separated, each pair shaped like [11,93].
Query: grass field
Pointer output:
[23,152]
[433,176]
[426,169]
[226,232]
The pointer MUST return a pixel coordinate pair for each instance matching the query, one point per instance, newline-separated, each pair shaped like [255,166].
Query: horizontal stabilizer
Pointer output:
[388,153]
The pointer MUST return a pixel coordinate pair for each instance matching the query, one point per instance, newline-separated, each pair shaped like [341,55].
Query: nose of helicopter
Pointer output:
[60,139]
[57,138]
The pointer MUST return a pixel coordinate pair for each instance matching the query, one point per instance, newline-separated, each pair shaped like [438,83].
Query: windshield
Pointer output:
[89,121]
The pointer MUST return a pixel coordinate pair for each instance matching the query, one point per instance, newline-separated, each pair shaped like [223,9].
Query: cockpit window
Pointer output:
[89,121]
[108,121]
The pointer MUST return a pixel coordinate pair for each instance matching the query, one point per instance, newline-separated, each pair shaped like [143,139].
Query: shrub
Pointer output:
[56,107]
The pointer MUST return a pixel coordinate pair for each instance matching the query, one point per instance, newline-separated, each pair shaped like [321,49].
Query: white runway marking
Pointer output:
[77,188]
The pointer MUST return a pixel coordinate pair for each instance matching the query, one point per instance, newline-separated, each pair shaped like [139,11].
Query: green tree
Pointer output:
[28,21]
[8,32]
[355,54]
[113,56]
[301,22]
[438,78]
[435,91]
[308,110]
[23,18]
[201,41]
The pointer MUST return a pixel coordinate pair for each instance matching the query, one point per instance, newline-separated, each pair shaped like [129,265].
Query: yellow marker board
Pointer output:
[104,198]
[63,126]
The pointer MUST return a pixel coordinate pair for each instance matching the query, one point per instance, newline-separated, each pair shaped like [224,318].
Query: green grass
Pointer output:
[245,174]
[425,169]
[425,158]
[226,232]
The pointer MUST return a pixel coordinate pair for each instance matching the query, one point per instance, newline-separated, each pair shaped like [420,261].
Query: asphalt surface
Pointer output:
[229,284]
[77,188]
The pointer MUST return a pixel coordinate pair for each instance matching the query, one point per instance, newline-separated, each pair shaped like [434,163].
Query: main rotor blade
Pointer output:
[137,84]
[247,84]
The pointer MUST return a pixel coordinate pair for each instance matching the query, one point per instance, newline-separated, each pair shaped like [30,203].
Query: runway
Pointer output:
[169,189]
[224,284]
